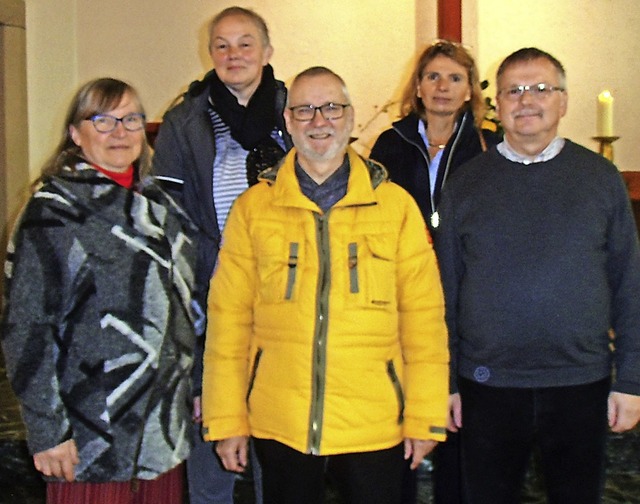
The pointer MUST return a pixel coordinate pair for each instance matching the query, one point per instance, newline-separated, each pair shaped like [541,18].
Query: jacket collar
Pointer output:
[364,177]
[408,127]
[89,190]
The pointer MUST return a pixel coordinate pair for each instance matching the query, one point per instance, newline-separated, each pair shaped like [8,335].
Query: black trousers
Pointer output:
[292,477]
[501,426]
[446,475]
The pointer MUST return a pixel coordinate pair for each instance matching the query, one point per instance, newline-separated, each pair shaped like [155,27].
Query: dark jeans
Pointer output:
[209,482]
[409,484]
[291,477]
[502,425]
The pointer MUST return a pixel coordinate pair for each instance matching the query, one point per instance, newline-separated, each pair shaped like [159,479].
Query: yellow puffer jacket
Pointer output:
[326,331]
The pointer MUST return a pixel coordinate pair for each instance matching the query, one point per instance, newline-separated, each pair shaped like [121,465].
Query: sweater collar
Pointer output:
[123,178]
[551,151]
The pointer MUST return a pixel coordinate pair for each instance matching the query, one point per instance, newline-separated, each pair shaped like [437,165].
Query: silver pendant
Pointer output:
[435,219]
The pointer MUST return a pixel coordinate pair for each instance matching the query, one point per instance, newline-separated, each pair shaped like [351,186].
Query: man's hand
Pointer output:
[417,449]
[624,411]
[454,422]
[233,453]
[58,461]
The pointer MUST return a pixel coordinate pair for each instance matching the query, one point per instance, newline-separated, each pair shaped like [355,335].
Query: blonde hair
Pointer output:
[456,52]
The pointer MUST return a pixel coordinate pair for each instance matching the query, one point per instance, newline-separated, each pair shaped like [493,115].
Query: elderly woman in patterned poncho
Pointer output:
[97,330]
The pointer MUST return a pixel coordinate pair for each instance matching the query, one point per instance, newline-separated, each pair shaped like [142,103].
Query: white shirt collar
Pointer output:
[550,151]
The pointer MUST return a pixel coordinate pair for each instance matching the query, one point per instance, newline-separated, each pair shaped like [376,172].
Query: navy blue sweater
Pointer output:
[538,263]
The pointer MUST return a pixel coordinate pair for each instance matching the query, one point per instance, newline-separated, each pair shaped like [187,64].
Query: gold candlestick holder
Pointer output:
[606,145]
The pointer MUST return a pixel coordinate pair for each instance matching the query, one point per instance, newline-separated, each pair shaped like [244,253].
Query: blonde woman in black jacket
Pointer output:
[440,130]
[443,110]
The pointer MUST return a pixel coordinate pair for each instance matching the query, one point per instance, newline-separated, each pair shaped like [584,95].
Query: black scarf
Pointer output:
[250,126]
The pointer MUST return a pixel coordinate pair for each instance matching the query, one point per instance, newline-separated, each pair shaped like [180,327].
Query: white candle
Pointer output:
[604,125]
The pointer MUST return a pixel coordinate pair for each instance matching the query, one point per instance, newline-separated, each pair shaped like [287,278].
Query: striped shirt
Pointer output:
[230,167]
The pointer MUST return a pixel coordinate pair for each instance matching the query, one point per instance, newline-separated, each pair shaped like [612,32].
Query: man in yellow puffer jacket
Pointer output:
[326,340]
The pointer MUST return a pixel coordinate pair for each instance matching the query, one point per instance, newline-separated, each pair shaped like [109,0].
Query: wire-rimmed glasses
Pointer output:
[538,91]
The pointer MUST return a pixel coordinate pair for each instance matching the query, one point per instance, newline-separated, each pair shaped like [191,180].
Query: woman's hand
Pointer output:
[58,461]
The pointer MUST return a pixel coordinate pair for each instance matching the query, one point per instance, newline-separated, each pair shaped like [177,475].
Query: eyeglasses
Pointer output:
[105,123]
[329,111]
[538,91]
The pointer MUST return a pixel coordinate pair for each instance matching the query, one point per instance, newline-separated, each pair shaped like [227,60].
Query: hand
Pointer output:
[197,409]
[233,453]
[58,461]
[454,422]
[417,449]
[624,411]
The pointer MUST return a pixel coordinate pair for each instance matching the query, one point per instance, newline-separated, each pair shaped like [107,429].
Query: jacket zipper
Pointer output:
[425,155]
[318,366]
[252,378]
[391,371]
[465,118]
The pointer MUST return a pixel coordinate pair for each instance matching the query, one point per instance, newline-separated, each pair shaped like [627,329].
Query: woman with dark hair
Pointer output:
[443,110]
[97,330]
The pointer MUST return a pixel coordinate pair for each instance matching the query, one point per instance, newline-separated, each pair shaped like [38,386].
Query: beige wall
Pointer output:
[596,40]
[51,73]
[159,46]
[14,161]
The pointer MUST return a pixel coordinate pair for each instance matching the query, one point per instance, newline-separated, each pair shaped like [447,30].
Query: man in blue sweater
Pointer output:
[541,269]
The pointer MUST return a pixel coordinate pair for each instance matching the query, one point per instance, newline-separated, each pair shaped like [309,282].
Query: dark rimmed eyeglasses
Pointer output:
[538,91]
[329,111]
[105,123]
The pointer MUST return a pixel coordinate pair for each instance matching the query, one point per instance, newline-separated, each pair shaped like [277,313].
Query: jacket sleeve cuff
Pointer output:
[45,433]
[224,428]
[421,429]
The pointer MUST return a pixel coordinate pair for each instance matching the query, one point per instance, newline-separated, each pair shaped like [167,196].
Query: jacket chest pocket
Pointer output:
[371,277]
[278,261]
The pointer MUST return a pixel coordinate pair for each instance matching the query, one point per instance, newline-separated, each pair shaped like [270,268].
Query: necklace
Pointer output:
[438,145]
[422,129]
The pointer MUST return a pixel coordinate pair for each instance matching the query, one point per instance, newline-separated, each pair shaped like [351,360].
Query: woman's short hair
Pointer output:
[95,97]
[256,19]
[456,52]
